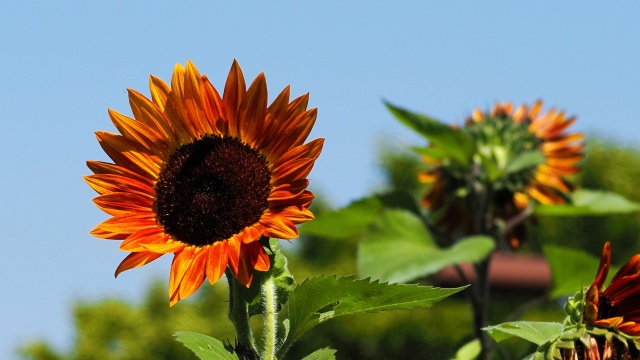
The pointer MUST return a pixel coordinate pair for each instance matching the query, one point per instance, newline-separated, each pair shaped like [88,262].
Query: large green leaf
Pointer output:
[206,347]
[533,331]
[319,299]
[453,142]
[322,354]
[571,269]
[352,220]
[590,202]
[397,247]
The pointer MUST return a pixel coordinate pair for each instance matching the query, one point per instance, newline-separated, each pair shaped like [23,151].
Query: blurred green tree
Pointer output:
[113,329]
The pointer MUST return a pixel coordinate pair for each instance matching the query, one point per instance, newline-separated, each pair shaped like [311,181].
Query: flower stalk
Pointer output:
[239,313]
[270,302]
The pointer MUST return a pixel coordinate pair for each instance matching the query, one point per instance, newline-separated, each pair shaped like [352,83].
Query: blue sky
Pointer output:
[64,63]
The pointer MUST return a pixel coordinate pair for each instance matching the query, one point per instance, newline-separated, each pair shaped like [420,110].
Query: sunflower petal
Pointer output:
[179,266]
[134,242]
[164,247]
[139,132]
[255,257]
[310,150]
[291,171]
[129,154]
[252,256]
[234,91]
[233,246]
[159,92]
[294,133]
[135,260]
[123,203]
[112,183]
[252,111]
[151,115]
[252,233]
[120,227]
[193,99]
[176,108]
[103,168]
[194,276]
[214,108]
[630,268]
[288,191]
[279,227]
[217,261]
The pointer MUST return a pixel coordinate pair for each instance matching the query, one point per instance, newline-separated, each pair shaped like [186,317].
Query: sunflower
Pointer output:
[205,177]
[618,305]
[562,152]
[501,135]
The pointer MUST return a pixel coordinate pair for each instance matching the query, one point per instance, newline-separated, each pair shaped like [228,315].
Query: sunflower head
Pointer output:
[520,155]
[205,176]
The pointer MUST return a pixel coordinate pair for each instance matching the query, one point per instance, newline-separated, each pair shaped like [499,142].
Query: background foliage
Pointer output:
[112,329]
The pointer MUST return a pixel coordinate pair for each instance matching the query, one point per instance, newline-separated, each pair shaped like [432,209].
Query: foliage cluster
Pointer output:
[113,329]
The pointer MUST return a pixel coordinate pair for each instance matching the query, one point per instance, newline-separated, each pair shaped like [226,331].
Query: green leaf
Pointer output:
[397,247]
[452,141]
[493,170]
[319,299]
[344,223]
[431,152]
[352,220]
[590,203]
[571,269]
[206,347]
[533,331]
[525,160]
[322,354]
[469,351]
[283,331]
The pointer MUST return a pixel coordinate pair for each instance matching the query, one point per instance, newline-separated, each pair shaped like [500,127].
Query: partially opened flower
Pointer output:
[599,347]
[204,176]
[504,138]
[603,322]
[618,305]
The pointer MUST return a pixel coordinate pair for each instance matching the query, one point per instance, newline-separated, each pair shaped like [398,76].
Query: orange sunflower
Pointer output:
[618,305]
[562,151]
[501,135]
[205,176]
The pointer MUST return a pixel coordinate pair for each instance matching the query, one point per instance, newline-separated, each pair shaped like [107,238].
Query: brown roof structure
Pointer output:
[522,271]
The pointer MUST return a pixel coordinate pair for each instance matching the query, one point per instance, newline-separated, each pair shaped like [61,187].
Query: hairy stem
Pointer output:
[270,301]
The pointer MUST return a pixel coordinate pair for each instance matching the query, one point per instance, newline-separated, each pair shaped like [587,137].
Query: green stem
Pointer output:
[239,313]
[269,297]
[481,305]
[481,205]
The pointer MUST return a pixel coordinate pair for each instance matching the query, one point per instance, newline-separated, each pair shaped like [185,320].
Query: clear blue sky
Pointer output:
[63,63]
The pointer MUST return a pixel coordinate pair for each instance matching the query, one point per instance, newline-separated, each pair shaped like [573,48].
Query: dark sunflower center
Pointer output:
[211,189]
